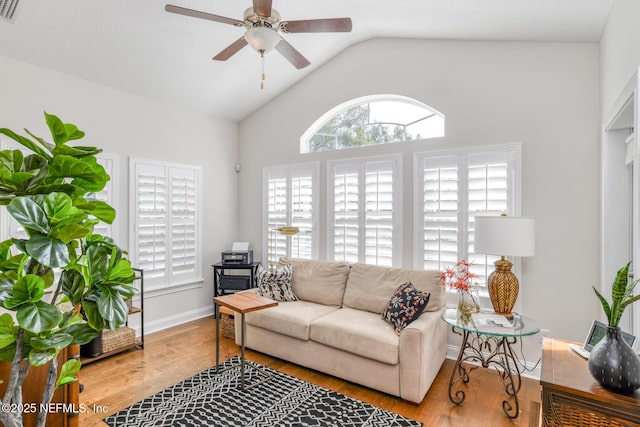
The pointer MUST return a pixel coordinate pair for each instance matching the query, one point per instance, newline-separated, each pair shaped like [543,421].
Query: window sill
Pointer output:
[172,288]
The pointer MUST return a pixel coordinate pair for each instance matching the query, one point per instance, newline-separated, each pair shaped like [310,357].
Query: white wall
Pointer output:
[619,51]
[127,125]
[544,95]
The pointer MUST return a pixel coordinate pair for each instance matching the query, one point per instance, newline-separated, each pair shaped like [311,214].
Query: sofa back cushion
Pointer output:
[369,287]
[322,282]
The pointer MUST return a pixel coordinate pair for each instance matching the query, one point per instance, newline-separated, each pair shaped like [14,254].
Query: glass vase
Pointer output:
[468,303]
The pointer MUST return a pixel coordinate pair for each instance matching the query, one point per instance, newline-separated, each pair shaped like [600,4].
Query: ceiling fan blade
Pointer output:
[262,7]
[202,15]
[329,25]
[291,54]
[231,50]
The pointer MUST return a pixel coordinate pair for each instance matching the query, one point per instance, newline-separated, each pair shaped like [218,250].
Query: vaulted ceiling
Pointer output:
[137,47]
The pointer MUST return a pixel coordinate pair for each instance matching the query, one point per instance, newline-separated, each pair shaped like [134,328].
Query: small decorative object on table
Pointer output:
[612,362]
[462,279]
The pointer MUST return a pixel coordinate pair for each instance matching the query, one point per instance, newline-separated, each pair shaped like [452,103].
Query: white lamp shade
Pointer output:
[262,39]
[505,235]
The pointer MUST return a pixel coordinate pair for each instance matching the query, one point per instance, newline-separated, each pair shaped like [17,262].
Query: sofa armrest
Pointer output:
[423,348]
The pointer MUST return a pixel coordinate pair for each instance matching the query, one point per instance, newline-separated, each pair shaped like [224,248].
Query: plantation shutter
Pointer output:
[277,216]
[365,210]
[183,221]
[151,220]
[302,213]
[291,201]
[440,194]
[488,194]
[346,213]
[379,213]
[455,188]
[167,220]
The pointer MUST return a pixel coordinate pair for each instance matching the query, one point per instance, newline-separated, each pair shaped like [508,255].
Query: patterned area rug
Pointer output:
[210,399]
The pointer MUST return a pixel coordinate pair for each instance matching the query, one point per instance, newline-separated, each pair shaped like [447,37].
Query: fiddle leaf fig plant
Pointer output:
[62,283]
[621,296]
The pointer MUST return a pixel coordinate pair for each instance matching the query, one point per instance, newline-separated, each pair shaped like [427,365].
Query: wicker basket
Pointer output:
[121,337]
[227,326]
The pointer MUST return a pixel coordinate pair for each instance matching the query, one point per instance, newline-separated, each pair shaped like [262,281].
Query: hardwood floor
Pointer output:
[170,356]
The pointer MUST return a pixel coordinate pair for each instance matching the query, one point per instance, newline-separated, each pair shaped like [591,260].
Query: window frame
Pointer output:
[397,203]
[513,151]
[170,281]
[288,172]
[306,137]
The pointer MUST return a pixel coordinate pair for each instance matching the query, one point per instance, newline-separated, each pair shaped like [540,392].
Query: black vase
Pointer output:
[614,364]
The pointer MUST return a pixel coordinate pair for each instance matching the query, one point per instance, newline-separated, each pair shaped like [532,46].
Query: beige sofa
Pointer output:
[336,327]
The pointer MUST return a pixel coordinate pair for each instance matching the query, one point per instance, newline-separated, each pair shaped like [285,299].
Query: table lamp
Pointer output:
[504,236]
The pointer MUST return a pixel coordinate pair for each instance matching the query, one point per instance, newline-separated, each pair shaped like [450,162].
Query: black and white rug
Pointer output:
[210,399]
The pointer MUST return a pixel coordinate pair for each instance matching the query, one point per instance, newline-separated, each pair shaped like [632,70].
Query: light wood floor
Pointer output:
[170,356]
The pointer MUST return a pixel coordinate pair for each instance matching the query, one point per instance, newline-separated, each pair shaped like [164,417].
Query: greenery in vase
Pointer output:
[63,283]
[621,296]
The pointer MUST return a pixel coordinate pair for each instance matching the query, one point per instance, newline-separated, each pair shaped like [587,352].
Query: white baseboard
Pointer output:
[532,370]
[175,320]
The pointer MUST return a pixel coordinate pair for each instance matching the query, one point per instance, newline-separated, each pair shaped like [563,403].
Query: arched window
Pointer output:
[372,120]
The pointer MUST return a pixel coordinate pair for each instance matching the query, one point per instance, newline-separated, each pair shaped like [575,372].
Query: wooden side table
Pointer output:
[571,397]
[243,302]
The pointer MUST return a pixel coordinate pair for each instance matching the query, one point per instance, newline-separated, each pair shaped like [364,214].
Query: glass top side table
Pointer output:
[490,347]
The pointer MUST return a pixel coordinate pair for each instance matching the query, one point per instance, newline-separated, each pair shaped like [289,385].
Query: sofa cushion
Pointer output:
[369,287]
[405,306]
[358,332]
[289,318]
[276,284]
[319,281]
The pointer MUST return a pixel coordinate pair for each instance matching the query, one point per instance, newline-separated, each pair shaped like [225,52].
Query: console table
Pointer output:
[489,347]
[571,397]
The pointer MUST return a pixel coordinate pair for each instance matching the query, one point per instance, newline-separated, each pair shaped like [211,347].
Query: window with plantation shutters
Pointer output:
[291,200]
[364,211]
[166,217]
[451,190]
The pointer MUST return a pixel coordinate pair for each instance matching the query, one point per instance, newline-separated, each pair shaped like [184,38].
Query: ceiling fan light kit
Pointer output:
[263,24]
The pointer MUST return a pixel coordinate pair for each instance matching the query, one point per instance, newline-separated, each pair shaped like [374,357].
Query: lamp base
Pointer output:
[503,287]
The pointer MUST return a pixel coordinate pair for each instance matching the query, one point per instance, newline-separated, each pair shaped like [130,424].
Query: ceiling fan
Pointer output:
[263,25]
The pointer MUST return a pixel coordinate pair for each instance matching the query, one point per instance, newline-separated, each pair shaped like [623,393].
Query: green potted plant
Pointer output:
[63,283]
[612,362]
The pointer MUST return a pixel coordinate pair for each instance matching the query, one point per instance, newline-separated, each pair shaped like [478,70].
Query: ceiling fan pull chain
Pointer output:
[262,60]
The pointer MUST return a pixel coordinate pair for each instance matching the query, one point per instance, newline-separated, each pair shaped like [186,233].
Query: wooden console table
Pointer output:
[571,397]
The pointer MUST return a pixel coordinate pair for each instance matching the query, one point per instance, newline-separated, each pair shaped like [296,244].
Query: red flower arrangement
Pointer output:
[459,277]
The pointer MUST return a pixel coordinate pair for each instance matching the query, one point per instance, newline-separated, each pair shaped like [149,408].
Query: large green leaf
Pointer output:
[29,289]
[77,152]
[56,341]
[38,317]
[26,142]
[73,285]
[68,372]
[99,180]
[605,306]
[29,214]
[62,132]
[94,319]
[11,160]
[69,167]
[112,308]
[8,353]
[82,333]
[58,205]
[41,357]
[101,210]
[7,330]
[48,251]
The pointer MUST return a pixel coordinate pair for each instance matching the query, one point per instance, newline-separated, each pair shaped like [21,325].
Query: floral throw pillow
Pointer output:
[276,284]
[405,306]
